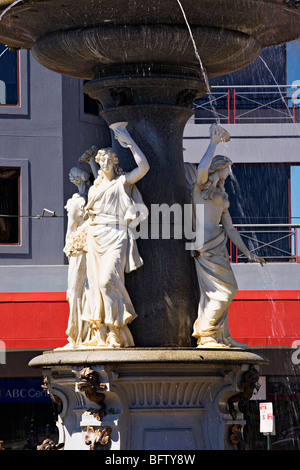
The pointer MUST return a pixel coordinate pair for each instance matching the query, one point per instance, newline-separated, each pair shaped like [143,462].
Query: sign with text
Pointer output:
[23,391]
[266,417]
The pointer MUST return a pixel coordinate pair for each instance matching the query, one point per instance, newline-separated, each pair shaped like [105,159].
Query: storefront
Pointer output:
[28,415]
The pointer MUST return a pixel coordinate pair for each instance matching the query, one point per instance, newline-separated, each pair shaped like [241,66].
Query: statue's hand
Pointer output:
[123,137]
[256,259]
[218,134]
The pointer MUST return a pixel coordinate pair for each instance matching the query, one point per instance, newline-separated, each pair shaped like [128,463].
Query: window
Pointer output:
[260,205]
[9,205]
[14,206]
[9,77]
[259,193]
[257,93]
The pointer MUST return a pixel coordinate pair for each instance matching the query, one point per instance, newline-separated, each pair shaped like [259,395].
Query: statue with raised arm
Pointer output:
[111,249]
[216,280]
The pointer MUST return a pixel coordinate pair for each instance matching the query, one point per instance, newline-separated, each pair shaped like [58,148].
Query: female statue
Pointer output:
[216,279]
[77,264]
[111,248]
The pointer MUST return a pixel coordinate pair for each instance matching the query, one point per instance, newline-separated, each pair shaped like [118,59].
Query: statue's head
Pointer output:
[78,175]
[108,158]
[219,162]
[102,155]
[218,171]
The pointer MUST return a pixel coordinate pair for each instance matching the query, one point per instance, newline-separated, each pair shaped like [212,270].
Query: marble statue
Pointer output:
[217,283]
[110,247]
[77,264]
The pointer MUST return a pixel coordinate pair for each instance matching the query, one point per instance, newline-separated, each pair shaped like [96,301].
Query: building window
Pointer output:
[261,210]
[258,93]
[14,206]
[9,77]
[9,205]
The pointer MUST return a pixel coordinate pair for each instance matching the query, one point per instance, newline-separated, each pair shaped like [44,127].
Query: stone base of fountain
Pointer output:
[148,399]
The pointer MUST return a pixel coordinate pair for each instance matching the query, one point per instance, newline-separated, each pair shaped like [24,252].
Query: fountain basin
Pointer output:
[73,37]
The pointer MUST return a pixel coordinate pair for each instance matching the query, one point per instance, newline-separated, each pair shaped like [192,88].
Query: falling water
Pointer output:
[281,94]
[203,71]
[278,327]
[236,189]
[3,52]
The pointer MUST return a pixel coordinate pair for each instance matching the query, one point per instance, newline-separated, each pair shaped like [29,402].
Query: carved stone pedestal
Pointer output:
[149,399]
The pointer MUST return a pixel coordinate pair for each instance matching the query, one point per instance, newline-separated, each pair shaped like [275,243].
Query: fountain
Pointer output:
[140,64]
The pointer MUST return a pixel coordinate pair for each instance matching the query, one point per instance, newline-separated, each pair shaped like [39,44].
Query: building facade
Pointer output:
[46,124]
[259,106]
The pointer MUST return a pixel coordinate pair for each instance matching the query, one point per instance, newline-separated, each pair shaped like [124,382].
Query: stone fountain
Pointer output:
[140,64]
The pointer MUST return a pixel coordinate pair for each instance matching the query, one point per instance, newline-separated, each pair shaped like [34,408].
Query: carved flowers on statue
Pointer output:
[77,242]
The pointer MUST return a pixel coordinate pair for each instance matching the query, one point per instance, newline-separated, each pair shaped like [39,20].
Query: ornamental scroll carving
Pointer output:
[97,438]
[248,385]
[88,383]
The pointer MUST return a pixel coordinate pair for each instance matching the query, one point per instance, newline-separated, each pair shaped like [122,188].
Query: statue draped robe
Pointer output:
[111,251]
[217,287]
[216,280]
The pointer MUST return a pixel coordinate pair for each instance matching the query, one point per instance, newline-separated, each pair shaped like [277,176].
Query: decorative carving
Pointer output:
[45,387]
[248,385]
[88,383]
[97,438]
[236,437]
[98,414]
[147,394]
[48,444]
[217,283]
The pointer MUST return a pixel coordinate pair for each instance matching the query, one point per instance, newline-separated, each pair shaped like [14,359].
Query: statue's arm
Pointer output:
[142,165]
[74,213]
[217,135]
[89,157]
[142,168]
[235,237]
[203,167]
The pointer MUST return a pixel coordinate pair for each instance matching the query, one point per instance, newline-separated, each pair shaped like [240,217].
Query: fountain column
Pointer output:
[156,103]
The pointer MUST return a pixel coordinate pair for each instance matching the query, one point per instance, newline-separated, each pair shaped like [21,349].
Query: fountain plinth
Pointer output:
[155,398]
[140,62]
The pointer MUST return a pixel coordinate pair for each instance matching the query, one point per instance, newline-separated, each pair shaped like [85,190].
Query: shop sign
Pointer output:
[266,417]
[23,391]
